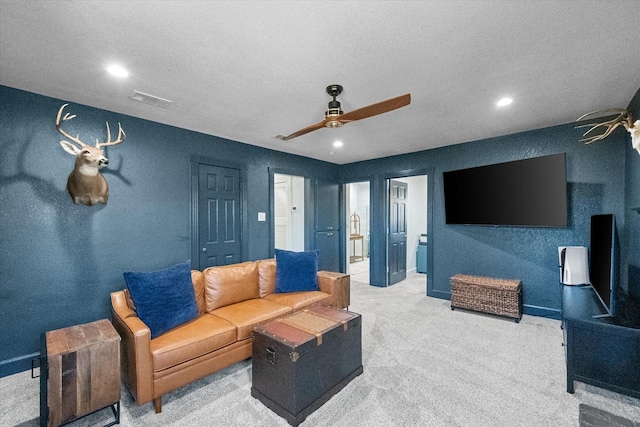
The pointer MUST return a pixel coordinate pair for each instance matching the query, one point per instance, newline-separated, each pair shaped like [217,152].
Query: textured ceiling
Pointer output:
[249,70]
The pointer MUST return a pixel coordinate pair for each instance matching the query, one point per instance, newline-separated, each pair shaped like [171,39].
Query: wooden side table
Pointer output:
[79,372]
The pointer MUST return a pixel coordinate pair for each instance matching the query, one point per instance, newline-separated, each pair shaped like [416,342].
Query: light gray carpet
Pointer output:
[424,365]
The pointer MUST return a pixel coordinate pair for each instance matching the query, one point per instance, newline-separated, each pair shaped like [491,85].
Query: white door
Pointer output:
[282,220]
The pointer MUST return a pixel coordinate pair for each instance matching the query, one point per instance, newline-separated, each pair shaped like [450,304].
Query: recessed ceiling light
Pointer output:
[338,144]
[118,71]
[504,102]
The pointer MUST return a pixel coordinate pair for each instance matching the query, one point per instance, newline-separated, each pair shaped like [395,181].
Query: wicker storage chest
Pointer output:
[488,295]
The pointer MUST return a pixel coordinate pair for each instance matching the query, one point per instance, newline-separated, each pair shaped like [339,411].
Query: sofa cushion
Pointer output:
[267,276]
[193,339]
[230,284]
[163,299]
[300,300]
[296,271]
[247,314]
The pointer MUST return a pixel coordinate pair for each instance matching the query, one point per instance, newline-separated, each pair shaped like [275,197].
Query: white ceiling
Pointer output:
[248,70]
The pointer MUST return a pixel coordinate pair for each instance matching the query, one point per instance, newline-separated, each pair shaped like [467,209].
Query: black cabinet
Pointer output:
[601,351]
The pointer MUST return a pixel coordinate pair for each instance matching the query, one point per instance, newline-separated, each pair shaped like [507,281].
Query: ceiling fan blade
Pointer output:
[303,131]
[375,109]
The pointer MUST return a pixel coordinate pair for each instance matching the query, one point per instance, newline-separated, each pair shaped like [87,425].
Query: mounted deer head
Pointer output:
[623,118]
[86,184]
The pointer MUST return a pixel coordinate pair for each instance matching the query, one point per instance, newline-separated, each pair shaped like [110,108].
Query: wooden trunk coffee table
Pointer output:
[79,372]
[300,361]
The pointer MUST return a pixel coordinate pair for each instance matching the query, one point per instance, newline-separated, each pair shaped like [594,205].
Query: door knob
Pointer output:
[204,249]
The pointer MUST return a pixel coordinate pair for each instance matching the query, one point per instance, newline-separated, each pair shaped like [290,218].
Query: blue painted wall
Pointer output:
[60,261]
[596,184]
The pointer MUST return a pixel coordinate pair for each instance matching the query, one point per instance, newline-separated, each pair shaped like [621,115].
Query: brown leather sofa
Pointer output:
[231,301]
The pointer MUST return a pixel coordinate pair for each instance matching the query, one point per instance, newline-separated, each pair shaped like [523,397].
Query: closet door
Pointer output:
[327,225]
[328,245]
[327,206]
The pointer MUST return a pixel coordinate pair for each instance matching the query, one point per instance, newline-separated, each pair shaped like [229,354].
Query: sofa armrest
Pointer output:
[135,349]
[338,285]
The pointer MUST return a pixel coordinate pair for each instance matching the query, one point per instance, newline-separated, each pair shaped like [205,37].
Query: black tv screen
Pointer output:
[602,259]
[528,193]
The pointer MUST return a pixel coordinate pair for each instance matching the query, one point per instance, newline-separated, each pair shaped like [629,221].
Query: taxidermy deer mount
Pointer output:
[86,184]
[623,117]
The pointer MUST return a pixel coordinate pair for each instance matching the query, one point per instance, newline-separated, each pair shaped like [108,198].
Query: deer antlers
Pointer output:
[121,135]
[623,118]
[65,134]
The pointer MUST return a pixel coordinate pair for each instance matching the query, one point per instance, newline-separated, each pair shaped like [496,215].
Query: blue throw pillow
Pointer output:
[296,271]
[164,299]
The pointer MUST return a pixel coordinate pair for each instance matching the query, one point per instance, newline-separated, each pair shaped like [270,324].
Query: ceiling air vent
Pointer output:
[150,99]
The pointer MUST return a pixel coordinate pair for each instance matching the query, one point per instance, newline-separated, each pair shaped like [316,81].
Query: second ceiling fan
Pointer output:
[334,117]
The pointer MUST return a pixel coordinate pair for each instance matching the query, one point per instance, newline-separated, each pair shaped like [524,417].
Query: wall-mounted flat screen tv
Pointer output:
[527,193]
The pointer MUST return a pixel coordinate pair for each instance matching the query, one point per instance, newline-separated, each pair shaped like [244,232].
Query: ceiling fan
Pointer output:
[334,117]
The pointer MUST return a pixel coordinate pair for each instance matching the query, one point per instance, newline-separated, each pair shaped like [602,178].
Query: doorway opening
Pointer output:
[288,212]
[407,227]
[358,226]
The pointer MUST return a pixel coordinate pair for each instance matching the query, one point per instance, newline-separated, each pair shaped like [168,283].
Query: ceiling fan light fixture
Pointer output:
[333,109]
[331,115]
[334,117]
[333,112]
